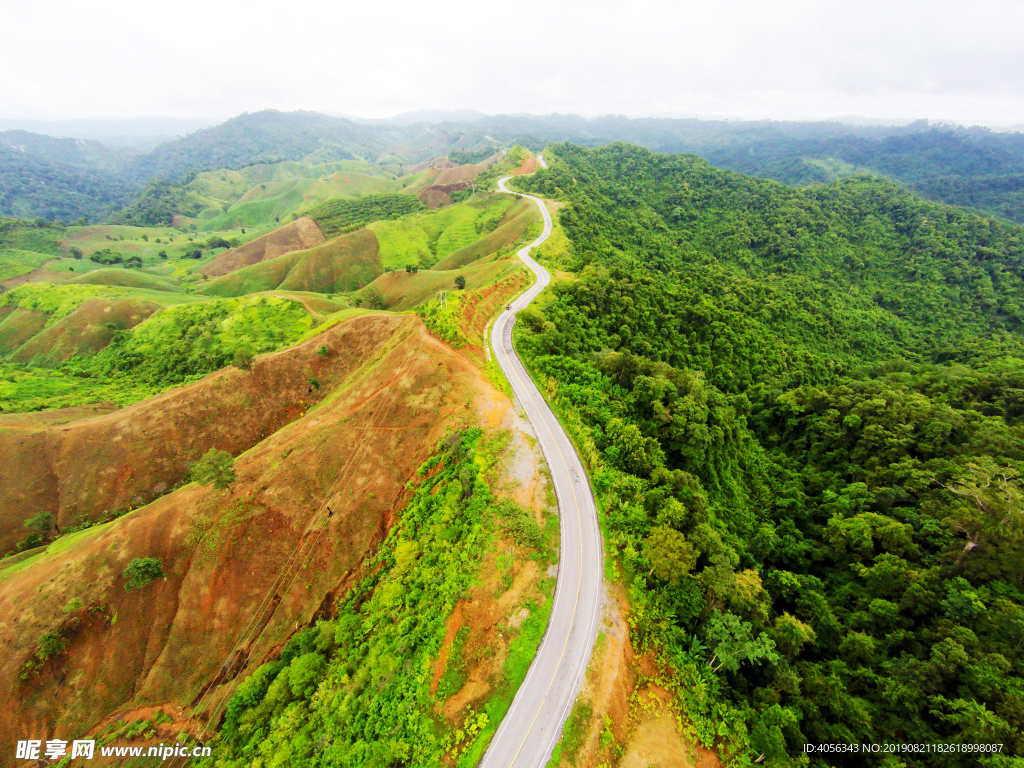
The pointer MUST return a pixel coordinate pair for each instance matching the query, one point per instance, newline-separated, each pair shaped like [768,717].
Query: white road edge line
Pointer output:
[522,390]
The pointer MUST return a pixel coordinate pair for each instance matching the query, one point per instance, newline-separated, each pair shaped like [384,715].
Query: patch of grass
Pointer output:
[72,605]
[573,734]
[556,250]
[426,238]
[16,262]
[129,278]
[497,377]
[454,676]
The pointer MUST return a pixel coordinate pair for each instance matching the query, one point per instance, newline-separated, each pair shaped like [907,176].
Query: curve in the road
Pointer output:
[533,724]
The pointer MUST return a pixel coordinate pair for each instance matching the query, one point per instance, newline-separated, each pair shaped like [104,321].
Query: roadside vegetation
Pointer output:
[355,690]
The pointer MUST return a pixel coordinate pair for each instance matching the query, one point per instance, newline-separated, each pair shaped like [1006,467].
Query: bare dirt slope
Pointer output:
[458,174]
[392,396]
[298,235]
[80,469]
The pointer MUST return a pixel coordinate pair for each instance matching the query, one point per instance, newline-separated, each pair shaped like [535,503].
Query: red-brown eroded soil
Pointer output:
[81,469]
[459,174]
[393,392]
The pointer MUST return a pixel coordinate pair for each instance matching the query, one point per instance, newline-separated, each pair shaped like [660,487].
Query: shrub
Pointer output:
[242,359]
[215,467]
[141,571]
[42,522]
[106,256]
[372,298]
[519,525]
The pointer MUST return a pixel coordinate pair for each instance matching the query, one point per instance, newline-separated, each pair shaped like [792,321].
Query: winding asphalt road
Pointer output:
[534,722]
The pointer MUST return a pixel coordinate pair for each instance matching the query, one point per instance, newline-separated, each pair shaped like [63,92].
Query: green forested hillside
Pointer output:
[973,168]
[802,412]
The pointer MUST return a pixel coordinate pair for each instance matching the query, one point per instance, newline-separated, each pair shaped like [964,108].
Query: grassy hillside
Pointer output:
[402,290]
[127,278]
[343,264]
[518,218]
[426,238]
[297,235]
[800,410]
[16,262]
[85,331]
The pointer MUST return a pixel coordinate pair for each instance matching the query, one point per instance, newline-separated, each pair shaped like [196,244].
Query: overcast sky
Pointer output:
[960,61]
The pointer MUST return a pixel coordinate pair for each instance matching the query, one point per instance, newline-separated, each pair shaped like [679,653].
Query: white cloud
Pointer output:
[942,59]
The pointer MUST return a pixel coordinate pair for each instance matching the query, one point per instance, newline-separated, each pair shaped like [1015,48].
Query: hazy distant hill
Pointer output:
[975,167]
[138,134]
[65,178]
[267,137]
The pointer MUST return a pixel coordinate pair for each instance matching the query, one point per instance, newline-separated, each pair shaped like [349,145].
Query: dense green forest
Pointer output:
[971,168]
[32,186]
[803,414]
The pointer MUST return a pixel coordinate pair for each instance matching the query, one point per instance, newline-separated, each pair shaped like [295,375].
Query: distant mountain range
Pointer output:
[68,178]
